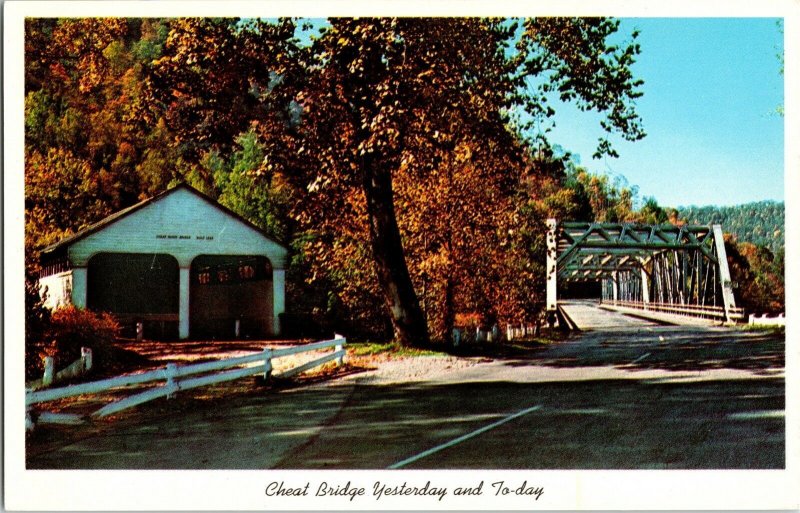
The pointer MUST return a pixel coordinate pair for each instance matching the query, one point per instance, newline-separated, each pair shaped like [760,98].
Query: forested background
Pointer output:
[756,249]
[760,223]
[403,161]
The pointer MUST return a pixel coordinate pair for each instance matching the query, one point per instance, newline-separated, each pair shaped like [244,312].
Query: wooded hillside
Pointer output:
[760,223]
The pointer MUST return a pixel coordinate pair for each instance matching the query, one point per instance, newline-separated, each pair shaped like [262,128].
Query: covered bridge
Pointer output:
[180,263]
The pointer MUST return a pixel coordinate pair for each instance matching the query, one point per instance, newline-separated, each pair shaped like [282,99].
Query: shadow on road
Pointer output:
[598,424]
[688,349]
[604,424]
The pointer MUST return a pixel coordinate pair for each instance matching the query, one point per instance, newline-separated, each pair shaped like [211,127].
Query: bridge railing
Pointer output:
[704,311]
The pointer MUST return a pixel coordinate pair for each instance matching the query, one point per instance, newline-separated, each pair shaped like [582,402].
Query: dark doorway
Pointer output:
[230,288]
[136,287]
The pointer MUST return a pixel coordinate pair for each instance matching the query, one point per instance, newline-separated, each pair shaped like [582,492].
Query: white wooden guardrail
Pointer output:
[242,366]
[780,320]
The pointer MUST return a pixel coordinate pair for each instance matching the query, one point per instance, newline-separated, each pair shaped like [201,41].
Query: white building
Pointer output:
[178,262]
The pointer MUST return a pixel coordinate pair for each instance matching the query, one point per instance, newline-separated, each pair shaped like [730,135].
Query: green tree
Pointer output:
[652,213]
[264,201]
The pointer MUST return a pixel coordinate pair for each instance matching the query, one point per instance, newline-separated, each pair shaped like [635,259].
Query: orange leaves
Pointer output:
[86,40]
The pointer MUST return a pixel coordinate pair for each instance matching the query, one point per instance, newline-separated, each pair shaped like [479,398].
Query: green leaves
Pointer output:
[574,57]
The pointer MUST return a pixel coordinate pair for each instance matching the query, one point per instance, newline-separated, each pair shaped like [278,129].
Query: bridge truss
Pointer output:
[672,269]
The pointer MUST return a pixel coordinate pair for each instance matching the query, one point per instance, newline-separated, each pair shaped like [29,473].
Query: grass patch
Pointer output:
[389,348]
[761,328]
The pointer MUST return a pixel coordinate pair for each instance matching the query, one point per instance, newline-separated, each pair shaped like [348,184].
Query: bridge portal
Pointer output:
[664,268]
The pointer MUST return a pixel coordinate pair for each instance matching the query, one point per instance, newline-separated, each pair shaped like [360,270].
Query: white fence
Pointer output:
[522,331]
[780,320]
[77,368]
[470,335]
[229,369]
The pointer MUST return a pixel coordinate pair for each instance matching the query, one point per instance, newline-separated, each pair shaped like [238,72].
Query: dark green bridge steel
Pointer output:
[666,268]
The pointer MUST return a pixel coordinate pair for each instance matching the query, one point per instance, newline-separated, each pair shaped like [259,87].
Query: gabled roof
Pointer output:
[96,227]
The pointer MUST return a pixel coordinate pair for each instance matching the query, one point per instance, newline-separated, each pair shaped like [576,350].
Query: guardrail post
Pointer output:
[339,347]
[49,371]
[29,424]
[169,372]
[267,364]
[86,355]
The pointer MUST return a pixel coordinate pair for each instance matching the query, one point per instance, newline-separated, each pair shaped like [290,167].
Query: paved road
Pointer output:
[587,316]
[638,396]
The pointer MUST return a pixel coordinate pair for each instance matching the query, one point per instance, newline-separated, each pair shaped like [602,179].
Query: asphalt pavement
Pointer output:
[631,395]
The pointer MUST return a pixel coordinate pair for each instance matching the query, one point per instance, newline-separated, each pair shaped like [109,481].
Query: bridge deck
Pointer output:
[588,315]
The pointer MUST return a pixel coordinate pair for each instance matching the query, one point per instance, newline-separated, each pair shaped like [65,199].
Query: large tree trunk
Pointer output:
[408,321]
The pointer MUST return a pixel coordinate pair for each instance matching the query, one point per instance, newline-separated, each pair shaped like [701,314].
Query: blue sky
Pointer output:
[712,87]
[710,94]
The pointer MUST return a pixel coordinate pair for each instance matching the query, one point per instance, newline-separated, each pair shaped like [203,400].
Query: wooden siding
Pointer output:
[59,289]
[181,224]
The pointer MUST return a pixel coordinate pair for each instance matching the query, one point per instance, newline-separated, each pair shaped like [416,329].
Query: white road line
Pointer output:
[641,358]
[462,438]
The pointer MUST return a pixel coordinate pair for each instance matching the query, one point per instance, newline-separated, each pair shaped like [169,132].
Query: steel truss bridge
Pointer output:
[671,269]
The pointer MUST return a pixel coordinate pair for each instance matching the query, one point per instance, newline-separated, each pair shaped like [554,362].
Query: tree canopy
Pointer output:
[394,155]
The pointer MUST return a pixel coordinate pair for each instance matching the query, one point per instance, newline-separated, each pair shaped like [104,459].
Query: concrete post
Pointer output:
[645,288]
[183,303]
[551,268]
[278,298]
[79,286]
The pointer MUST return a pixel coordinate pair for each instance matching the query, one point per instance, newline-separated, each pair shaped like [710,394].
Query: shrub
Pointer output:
[72,328]
[68,329]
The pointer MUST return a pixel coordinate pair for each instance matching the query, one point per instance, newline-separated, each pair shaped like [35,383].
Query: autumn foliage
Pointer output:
[398,157]
[65,332]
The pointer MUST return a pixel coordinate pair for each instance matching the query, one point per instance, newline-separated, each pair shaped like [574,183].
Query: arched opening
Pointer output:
[136,287]
[230,297]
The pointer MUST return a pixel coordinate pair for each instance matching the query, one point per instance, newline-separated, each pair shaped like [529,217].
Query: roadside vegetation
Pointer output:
[390,349]
[771,330]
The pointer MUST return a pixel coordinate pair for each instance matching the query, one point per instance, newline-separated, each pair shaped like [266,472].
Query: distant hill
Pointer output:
[761,223]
